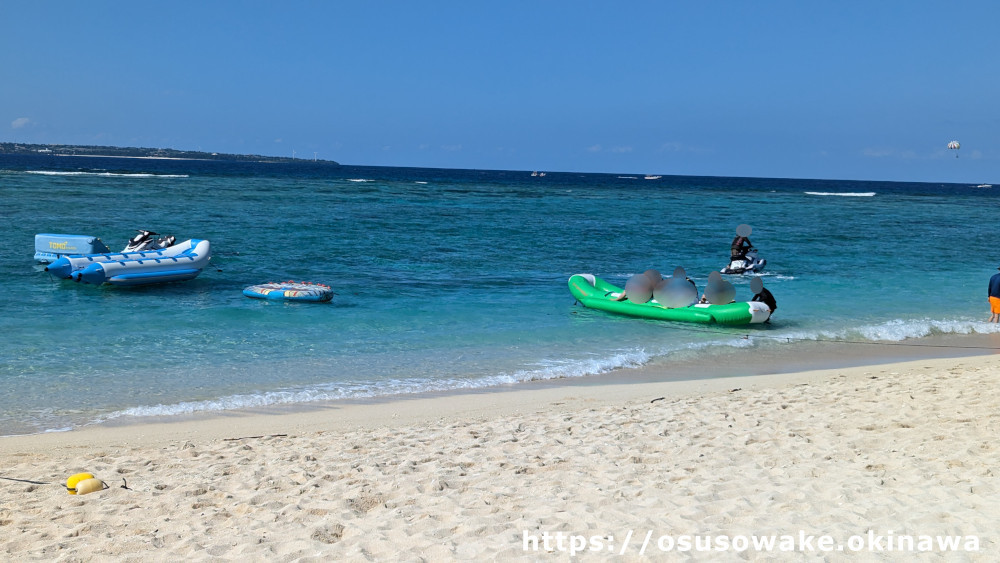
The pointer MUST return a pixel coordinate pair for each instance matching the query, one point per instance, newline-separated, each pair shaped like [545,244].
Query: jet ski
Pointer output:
[750,265]
[146,240]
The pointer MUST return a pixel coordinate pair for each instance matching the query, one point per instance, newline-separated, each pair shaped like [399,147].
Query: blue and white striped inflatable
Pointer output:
[182,261]
[290,291]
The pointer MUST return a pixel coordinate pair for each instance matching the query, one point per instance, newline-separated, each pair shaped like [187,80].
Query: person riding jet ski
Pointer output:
[742,254]
[741,245]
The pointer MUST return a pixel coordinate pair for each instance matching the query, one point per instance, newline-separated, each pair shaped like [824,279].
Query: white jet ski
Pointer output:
[146,240]
[751,265]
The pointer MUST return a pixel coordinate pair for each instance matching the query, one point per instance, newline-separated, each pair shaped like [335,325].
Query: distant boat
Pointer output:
[648,177]
[534,173]
[985,186]
[538,173]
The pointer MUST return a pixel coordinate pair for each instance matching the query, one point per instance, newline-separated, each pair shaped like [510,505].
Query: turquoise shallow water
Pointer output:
[445,279]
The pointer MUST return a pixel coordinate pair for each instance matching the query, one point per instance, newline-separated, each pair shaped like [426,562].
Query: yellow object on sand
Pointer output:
[89,486]
[73,480]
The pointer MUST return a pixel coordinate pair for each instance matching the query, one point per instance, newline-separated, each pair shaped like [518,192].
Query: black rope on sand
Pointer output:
[25,481]
[255,437]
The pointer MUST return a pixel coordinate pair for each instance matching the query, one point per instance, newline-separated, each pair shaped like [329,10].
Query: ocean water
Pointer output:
[445,279]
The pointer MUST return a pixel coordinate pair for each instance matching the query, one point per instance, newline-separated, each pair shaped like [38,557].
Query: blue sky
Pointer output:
[849,90]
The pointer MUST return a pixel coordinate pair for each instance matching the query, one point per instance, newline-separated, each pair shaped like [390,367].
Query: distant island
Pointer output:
[139,152]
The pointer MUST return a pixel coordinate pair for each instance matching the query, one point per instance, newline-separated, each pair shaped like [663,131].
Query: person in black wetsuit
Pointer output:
[738,250]
[763,295]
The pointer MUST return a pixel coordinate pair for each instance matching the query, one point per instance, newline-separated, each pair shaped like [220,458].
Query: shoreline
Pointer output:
[137,157]
[274,160]
[809,356]
[903,448]
[685,377]
[398,410]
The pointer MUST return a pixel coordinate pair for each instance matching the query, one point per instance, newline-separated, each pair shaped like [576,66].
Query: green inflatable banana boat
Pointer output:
[595,293]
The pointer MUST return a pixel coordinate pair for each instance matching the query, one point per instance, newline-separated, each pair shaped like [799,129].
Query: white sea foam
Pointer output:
[560,369]
[359,180]
[890,331]
[896,330]
[844,194]
[555,369]
[103,174]
[775,275]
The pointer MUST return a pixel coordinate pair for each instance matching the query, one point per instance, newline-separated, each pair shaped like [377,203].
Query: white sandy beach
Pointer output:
[877,452]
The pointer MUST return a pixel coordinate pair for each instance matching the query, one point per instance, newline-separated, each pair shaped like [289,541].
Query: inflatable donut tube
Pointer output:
[290,291]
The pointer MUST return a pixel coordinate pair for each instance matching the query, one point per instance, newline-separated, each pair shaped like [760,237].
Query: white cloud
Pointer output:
[617,150]
[878,153]
[906,154]
[19,122]
[451,148]
[675,146]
